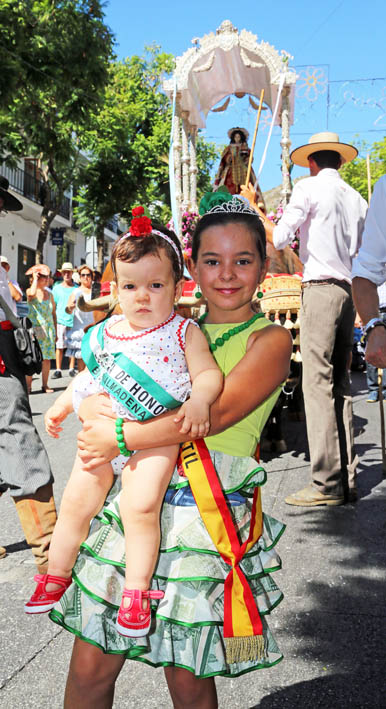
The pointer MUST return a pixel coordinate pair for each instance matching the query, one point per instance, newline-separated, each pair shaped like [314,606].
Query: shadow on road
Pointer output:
[337,691]
[336,620]
[343,629]
[17,546]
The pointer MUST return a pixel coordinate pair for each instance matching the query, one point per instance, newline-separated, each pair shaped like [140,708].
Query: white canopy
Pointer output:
[226,63]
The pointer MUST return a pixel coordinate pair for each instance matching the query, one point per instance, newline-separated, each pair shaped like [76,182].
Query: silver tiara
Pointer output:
[233,206]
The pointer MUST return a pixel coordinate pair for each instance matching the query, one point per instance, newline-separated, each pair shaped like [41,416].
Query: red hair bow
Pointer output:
[140,224]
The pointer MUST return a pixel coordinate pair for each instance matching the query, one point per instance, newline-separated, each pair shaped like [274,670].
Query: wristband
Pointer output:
[373,323]
[121,439]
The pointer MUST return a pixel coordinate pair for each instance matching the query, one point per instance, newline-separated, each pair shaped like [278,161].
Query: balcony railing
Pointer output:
[28,186]
[112,224]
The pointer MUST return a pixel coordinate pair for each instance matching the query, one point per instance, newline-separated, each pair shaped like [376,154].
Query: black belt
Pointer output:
[328,281]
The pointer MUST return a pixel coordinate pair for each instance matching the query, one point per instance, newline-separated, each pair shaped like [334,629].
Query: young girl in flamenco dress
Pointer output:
[217,548]
[149,360]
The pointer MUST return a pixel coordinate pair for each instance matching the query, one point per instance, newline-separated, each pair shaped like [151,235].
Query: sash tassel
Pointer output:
[247,649]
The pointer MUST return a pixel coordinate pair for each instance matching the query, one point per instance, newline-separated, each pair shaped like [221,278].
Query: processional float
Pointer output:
[220,65]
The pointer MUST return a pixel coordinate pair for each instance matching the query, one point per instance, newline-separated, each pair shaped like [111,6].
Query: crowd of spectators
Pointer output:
[51,303]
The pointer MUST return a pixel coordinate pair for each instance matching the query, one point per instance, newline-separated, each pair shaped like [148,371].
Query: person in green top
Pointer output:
[228,261]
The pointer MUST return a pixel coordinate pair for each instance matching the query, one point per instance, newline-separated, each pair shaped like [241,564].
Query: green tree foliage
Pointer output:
[12,33]
[355,172]
[55,56]
[128,147]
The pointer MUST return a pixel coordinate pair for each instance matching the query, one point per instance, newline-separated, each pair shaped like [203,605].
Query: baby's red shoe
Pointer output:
[41,600]
[134,620]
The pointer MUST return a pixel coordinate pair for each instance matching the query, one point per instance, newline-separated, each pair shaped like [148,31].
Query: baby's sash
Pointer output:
[123,379]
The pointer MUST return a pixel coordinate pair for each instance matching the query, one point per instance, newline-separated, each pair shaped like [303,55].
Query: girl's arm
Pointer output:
[53,312]
[16,295]
[250,193]
[31,291]
[263,368]
[207,382]
[70,307]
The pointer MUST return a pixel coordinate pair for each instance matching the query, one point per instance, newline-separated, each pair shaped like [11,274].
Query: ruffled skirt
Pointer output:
[187,623]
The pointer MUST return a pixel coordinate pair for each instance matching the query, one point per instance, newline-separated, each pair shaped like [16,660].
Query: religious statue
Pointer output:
[233,167]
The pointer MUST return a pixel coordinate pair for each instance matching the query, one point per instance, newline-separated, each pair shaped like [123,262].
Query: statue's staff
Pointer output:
[254,138]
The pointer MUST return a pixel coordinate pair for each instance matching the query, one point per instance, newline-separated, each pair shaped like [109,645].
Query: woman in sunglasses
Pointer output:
[81,319]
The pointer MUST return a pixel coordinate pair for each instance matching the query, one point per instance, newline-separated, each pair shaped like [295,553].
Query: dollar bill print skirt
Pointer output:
[187,623]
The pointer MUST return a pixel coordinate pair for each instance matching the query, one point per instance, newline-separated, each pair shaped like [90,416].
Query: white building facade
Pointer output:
[19,230]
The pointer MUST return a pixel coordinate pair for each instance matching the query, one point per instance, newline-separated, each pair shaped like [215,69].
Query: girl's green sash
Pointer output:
[123,379]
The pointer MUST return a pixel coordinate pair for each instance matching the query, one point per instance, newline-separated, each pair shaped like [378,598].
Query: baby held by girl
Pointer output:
[149,360]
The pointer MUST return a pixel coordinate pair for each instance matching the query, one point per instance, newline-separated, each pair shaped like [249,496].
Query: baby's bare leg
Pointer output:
[83,497]
[144,482]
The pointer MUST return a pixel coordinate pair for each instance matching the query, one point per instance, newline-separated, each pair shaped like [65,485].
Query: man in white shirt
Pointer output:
[329,215]
[369,271]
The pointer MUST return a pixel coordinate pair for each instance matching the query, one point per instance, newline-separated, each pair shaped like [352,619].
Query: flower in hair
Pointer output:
[140,224]
[222,202]
[212,199]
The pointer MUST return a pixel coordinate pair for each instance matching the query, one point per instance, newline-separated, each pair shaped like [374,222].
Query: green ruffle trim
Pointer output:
[241,474]
[199,649]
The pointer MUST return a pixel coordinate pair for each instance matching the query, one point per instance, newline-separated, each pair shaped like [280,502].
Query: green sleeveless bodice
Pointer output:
[242,438]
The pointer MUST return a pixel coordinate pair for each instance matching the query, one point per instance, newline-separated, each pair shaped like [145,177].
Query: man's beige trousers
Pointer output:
[326,336]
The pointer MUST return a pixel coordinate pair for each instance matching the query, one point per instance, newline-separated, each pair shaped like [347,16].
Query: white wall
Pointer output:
[22,228]
[15,231]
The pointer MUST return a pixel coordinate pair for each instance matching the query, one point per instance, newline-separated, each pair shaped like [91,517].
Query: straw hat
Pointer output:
[67,266]
[38,268]
[323,141]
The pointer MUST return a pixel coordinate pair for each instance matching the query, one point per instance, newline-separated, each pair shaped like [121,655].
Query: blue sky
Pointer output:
[339,39]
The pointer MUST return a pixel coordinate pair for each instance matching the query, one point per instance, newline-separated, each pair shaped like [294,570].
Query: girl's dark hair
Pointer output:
[132,248]
[252,222]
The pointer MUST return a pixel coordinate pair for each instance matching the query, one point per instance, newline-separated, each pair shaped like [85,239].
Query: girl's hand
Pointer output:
[195,417]
[249,192]
[96,406]
[97,443]
[53,418]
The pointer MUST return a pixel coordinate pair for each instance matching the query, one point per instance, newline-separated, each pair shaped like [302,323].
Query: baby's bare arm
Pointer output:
[59,411]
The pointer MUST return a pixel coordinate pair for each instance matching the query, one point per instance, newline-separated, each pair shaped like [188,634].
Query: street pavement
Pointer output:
[331,625]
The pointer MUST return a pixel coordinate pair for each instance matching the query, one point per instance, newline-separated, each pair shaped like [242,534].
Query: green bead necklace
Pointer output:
[220,341]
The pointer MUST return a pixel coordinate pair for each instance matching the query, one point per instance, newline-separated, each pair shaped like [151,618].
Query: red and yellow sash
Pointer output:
[243,631]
